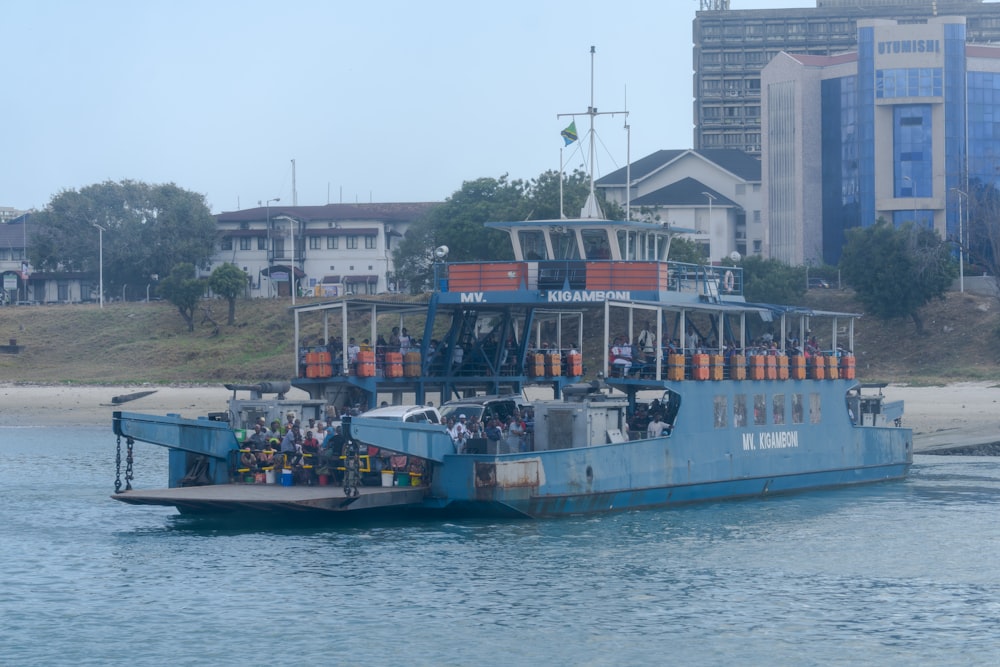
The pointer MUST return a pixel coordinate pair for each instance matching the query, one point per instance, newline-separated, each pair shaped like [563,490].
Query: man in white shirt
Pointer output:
[657,427]
[459,434]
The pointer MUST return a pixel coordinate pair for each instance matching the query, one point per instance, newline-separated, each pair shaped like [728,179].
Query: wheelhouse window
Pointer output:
[533,244]
[564,245]
[595,243]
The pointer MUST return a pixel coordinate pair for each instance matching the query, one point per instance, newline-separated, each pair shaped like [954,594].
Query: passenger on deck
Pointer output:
[647,343]
[310,445]
[258,439]
[459,434]
[394,340]
[352,353]
[621,357]
[493,437]
[291,446]
[657,427]
[405,343]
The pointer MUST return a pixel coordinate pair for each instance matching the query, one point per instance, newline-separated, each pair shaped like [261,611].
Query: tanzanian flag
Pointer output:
[569,134]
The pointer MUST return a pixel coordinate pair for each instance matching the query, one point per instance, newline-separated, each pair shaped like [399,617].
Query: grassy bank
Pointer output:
[126,343]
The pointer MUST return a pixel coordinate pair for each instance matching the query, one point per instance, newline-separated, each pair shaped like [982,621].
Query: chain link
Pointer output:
[118,466]
[128,463]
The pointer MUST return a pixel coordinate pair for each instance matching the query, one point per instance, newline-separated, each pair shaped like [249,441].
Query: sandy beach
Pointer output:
[965,413]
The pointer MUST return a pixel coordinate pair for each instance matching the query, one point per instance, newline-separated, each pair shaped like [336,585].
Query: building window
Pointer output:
[246,243]
[712,112]
[757,247]
[352,242]
[227,243]
[315,242]
[371,242]
[756,216]
[712,140]
[63,288]
[331,242]
[261,243]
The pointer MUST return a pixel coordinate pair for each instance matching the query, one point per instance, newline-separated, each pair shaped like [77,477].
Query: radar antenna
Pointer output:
[591,209]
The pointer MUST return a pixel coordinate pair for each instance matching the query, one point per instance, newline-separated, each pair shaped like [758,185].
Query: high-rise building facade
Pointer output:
[900,129]
[731,47]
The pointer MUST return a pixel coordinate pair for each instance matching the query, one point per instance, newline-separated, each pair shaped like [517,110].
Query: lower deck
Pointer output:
[273,498]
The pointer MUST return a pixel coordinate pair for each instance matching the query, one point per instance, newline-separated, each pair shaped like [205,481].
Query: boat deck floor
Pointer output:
[273,497]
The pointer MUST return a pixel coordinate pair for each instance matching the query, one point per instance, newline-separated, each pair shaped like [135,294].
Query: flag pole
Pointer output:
[562,215]
[591,209]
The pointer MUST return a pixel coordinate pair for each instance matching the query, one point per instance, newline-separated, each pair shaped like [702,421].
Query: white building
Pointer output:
[716,192]
[338,248]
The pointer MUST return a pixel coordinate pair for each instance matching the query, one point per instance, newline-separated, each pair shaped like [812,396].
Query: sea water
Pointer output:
[900,573]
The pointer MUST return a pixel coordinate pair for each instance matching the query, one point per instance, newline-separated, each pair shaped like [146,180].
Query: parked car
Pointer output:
[818,283]
[406,413]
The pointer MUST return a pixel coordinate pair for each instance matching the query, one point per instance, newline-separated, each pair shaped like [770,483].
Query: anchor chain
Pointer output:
[352,469]
[128,463]
[118,466]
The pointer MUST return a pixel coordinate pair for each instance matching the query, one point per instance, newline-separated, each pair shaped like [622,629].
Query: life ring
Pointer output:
[728,281]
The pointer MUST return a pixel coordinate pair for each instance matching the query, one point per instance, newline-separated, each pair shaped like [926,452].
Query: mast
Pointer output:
[591,209]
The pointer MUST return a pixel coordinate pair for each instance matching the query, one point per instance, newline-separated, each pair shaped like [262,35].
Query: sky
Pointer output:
[375,101]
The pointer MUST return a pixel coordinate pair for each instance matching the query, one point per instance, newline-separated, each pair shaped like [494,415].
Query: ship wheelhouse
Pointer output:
[587,239]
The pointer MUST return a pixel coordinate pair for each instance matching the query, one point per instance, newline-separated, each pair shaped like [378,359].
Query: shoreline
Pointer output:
[942,417]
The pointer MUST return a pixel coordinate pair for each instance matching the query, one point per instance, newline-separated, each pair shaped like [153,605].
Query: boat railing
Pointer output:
[677,365]
[590,275]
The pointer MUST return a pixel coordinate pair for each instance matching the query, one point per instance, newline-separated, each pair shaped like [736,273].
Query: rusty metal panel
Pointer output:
[511,474]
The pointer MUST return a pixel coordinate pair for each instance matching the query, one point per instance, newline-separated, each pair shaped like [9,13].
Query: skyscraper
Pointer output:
[731,47]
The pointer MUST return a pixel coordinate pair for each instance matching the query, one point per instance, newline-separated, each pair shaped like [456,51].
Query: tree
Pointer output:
[687,251]
[148,229]
[228,281]
[458,222]
[896,271]
[772,281]
[184,289]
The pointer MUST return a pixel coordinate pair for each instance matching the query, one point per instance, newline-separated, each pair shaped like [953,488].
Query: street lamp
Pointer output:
[291,234]
[100,259]
[711,200]
[961,239]
[270,253]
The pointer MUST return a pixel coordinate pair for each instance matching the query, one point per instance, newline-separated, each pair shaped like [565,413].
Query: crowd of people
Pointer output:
[626,358]
[495,435]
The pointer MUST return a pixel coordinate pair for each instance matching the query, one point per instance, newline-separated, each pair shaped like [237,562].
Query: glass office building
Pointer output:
[895,130]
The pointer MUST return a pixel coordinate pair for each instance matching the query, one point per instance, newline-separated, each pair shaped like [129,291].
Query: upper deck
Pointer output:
[585,260]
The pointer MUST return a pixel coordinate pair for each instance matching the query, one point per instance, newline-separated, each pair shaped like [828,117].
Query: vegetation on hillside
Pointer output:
[896,271]
[137,342]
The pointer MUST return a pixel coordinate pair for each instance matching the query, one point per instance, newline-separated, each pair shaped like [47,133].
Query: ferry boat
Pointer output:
[753,399]
[749,409]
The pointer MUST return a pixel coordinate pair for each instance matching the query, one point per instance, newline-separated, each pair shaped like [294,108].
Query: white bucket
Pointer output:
[387,476]
[269,476]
